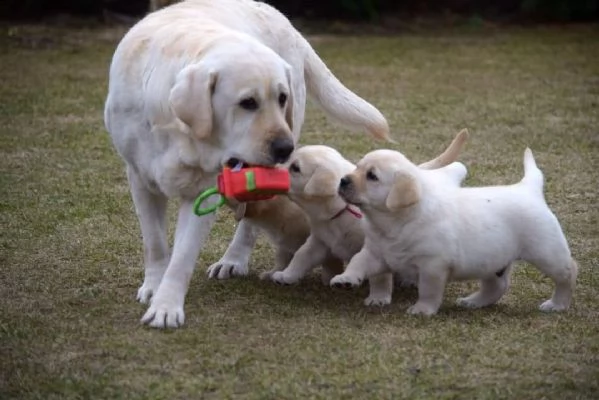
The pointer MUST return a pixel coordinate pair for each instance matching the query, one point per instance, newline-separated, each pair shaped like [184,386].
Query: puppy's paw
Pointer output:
[550,306]
[422,309]
[225,269]
[377,300]
[345,281]
[281,278]
[470,302]
[267,275]
[164,313]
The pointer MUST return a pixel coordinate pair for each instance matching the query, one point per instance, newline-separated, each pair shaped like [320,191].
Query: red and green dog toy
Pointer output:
[244,184]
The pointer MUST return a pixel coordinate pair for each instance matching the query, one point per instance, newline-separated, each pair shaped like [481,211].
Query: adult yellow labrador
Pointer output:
[198,85]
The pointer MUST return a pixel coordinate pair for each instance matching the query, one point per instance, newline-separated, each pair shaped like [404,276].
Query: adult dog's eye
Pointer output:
[371,176]
[294,168]
[249,104]
[282,99]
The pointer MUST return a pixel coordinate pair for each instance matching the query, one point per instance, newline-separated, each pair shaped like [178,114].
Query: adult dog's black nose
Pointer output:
[344,182]
[281,149]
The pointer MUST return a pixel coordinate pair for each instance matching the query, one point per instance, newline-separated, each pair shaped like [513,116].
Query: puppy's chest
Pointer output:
[343,241]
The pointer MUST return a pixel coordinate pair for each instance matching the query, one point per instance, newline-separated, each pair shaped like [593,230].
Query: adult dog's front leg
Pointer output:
[309,256]
[363,265]
[151,212]
[236,259]
[166,309]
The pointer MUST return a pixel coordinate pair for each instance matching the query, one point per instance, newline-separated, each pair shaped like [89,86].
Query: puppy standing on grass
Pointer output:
[336,230]
[448,233]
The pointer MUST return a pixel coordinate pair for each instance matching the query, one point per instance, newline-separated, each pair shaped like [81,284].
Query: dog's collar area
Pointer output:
[353,211]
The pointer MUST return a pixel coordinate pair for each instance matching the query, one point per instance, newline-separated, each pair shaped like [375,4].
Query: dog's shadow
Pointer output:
[311,296]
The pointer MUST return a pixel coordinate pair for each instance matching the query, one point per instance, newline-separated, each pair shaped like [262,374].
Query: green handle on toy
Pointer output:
[199,211]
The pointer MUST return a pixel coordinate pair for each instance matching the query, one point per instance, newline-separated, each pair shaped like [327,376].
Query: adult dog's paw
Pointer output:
[550,306]
[281,278]
[422,309]
[470,302]
[375,300]
[164,313]
[225,269]
[345,281]
[148,289]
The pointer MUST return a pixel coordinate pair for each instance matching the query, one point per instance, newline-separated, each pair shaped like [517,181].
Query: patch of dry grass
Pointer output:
[71,255]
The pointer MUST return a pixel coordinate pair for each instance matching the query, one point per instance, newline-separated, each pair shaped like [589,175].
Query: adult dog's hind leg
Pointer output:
[151,211]
[237,257]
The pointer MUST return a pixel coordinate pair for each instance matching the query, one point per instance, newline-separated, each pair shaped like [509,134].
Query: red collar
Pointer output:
[356,213]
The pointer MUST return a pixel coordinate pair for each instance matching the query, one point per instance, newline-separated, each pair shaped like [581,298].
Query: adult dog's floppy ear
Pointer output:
[289,105]
[323,182]
[191,98]
[404,192]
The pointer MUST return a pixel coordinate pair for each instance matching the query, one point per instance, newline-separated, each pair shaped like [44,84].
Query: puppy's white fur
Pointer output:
[175,112]
[443,232]
[335,228]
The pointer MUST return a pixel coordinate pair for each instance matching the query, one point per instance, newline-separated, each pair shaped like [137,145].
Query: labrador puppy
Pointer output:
[197,85]
[335,226]
[443,232]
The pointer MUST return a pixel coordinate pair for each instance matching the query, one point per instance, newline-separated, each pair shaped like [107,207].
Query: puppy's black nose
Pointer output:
[281,149]
[344,182]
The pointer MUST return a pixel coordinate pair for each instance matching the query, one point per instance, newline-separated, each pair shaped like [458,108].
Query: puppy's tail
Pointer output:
[450,154]
[338,101]
[533,177]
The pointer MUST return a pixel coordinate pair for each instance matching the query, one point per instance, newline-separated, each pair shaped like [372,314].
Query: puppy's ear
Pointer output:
[191,98]
[289,105]
[404,192]
[323,182]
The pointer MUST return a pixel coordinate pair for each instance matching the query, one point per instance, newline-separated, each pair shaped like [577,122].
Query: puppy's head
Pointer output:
[238,98]
[383,180]
[315,172]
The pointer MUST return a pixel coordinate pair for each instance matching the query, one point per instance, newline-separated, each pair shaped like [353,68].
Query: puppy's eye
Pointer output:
[294,168]
[249,104]
[282,99]
[371,176]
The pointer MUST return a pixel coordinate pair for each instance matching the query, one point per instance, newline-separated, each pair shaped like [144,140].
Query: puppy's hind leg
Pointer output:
[491,290]
[564,275]
[150,208]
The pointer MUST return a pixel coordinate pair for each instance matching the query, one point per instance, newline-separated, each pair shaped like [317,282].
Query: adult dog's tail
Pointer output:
[450,154]
[340,102]
[533,177]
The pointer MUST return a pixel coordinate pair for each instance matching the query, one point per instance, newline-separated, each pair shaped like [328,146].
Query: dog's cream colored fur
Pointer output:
[336,231]
[193,86]
[443,232]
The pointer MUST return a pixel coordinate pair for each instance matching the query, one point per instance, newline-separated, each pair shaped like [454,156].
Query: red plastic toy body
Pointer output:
[253,183]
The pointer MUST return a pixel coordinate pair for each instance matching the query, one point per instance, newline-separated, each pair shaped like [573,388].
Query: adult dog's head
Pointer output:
[385,180]
[238,98]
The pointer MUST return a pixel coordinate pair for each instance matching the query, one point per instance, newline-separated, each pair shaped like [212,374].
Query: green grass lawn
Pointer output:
[71,248]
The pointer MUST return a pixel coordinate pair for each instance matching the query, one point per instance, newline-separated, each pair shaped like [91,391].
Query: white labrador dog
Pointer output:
[335,226]
[197,85]
[444,232]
